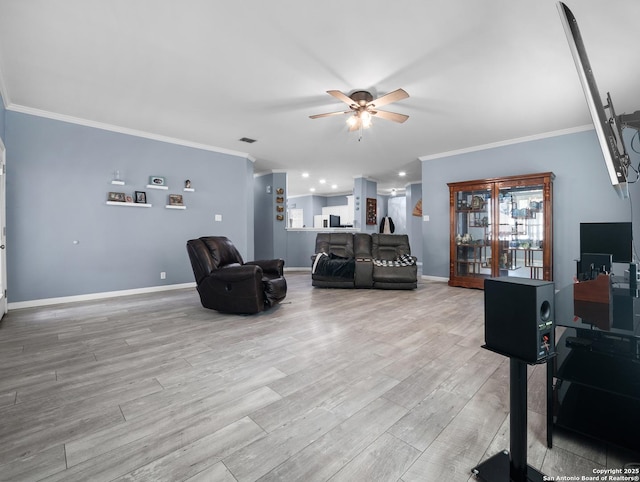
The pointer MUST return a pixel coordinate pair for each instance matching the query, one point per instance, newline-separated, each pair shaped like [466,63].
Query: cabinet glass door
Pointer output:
[472,233]
[521,231]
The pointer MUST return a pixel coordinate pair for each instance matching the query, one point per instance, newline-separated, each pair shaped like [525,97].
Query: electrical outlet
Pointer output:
[163,275]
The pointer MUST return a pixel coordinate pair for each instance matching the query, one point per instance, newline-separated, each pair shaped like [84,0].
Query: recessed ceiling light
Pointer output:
[313,189]
[305,174]
[322,181]
[402,174]
[334,186]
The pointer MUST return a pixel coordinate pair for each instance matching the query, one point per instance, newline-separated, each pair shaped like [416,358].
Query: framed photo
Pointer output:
[156,180]
[141,197]
[371,213]
[129,199]
[175,199]
[117,197]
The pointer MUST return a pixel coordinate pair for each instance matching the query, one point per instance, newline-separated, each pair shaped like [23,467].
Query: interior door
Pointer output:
[3,233]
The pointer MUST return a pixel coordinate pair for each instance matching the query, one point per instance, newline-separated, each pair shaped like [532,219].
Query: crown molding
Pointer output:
[124,130]
[517,140]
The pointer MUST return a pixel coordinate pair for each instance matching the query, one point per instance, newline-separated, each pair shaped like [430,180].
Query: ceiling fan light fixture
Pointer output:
[365,119]
[363,107]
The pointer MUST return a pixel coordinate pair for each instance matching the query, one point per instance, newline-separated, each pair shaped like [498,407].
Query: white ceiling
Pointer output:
[210,72]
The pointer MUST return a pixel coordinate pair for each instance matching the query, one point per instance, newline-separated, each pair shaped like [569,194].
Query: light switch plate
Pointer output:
[218,217]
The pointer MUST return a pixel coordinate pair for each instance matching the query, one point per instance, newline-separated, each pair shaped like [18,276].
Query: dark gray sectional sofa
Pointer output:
[361,260]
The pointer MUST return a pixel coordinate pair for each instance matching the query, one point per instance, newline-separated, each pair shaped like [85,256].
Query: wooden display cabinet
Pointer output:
[501,227]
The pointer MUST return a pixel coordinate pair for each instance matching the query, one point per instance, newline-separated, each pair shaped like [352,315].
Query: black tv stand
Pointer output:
[593,386]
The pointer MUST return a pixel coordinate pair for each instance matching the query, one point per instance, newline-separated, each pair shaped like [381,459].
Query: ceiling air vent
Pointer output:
[247,140]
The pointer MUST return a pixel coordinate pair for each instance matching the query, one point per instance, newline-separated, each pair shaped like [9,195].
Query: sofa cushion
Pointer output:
[340,244]
[389,246]
[404,260]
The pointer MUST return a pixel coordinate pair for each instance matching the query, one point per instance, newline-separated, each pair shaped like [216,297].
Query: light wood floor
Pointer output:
[341,385]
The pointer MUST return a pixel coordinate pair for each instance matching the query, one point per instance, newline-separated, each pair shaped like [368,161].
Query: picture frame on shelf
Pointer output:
[117,197]
[141,197]
[175,200]
[129,198]
[157,180]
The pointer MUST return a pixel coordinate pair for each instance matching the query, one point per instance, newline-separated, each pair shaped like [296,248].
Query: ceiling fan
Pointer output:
[364,107]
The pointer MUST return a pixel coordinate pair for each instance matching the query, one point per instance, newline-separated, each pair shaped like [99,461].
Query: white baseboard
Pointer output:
[434,278]
[95,296]
[300,268]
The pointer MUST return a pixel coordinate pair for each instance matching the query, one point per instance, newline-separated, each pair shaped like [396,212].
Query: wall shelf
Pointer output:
[189,189]
[168,206]
[119,183]
[153,186]
[131,205]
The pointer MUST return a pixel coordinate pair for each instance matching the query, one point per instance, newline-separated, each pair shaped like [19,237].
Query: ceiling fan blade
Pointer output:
[329,114]
[394,96]
[341,97]
[392,116]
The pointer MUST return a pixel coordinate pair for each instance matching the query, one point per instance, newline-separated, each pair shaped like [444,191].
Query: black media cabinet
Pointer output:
[593,384]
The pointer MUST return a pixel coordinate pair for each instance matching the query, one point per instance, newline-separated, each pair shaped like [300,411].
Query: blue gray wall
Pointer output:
[269,233]
[263,222]
[581,193]
[2,117]
[58,178]
[363,189]
[414,223]
[340,200]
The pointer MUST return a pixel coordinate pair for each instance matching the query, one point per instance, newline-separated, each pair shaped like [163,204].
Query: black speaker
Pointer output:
[518,317]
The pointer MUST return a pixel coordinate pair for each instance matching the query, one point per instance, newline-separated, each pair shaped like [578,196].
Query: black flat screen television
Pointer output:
[607,125]
[608,238]
[334,221]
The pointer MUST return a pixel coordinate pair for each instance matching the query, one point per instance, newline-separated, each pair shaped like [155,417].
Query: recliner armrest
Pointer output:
[235,273]
[274,266]
[364,273]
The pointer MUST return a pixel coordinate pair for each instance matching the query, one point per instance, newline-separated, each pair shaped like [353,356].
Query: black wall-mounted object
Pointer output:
[615,239]
[518,316]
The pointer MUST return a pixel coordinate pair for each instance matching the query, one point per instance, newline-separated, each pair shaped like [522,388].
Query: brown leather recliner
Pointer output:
[227,284]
